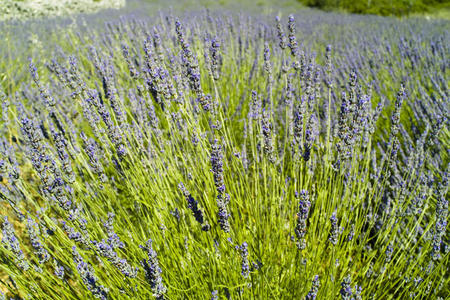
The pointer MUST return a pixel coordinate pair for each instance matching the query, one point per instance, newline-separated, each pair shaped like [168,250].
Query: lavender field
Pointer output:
[224,154]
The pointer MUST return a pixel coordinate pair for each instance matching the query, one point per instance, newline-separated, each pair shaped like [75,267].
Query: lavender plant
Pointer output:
[197,130]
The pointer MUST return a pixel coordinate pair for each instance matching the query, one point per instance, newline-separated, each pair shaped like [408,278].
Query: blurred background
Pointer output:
[25,9]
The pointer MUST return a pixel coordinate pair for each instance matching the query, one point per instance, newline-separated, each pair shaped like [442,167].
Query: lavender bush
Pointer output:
[214,155]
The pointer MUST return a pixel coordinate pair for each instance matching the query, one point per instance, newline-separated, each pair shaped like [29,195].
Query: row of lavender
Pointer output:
[232,156]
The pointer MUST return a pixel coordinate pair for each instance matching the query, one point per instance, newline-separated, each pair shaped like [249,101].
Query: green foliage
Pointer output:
[377,7]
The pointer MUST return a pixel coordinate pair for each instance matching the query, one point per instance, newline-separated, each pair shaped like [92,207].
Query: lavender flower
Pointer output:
[153,120]
[79,237]
[114,132]
[126,54]
[157,45]
[193,205]
[113,239]
[92,151]
[88,276]
[215,58]
[334,231]
[223,215]
[61,149]
[395,118]
[217,166]
[311,133]
[388,253]
[190,60]
[245,263]
[297,141]
[346,290]
[299,62]
[76,83]
[344,131]
[222,197]
[312,294]
[280,33]
[34,137]
[358,291]
[292,38]
[121,264]
[255,109]
[267,64]
[441,215]
[36,243]
[328,66]
[435,130]
[302,216]
[11,243]
[153,271]
[59,270]
[49,100]
[108,74]
[351,234]
[205,101]
[266,127]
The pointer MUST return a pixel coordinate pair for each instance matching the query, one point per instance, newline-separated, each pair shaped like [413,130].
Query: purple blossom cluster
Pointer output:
[36,243]
[302,217]
[88,277]
[333,237]
[245,268]
[153,271]
[222,198]
[312,294]
[10,241]
[193,206]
